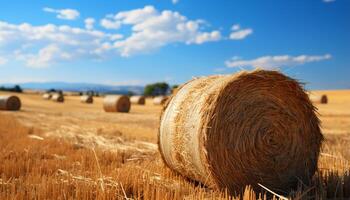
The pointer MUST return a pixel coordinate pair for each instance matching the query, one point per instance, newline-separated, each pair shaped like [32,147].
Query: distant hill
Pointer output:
[80,87]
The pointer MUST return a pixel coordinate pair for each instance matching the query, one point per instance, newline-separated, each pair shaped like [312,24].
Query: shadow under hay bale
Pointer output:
[160,100]
[87,99]
[322,99]
[140,100]
[116,103]
[250,128]
[47,96]
[10,103]
[58,98]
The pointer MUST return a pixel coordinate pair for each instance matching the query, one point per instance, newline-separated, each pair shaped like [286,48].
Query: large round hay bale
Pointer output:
[160,100]
[11,103]
[86,99]
[47,96]
[116,103]
[322,99]
[140,100]
[230,131]
[57,97]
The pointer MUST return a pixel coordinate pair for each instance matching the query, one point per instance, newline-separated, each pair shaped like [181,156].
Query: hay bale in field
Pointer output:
[322,99]
[57,97]
[116,103]
[11,103]
[230,131]
[160,100]
[138,100]
[47,96]
[86,99]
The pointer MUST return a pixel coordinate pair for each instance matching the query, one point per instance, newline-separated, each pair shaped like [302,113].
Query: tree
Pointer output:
[155,89]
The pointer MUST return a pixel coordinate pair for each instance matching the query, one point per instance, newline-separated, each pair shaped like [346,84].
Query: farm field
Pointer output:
[72,150]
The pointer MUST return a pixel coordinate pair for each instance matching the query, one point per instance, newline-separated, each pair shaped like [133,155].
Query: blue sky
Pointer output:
[138,42]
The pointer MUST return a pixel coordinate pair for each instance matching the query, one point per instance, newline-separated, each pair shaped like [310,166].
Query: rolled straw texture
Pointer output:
[235,130]
[86,99]
[140,100]
[10,103]
[160,100]
[322,99]
[57,98]
[116,103]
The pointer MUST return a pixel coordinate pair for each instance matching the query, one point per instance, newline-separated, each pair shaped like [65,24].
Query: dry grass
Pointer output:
[58,160]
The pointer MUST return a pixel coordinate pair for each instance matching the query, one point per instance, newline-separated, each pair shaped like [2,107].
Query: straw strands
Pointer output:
[116,103]
[235,130]
[11,103]
[140,100]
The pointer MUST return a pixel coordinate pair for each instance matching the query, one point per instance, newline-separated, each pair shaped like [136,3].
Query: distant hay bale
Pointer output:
[140,100]
[116,103]
[11,103]
[47,96]
[230,131]
[86,99]
[322,99]
[160,100]
[57,97]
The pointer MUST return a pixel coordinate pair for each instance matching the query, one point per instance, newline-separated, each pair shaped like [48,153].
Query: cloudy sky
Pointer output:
[129,42]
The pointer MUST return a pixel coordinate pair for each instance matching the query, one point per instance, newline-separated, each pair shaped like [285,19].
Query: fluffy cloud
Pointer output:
[152,29]
[238,33]
[109,24]
[89,23]
[40,46]
[3,61]
[271,62]
[67,14]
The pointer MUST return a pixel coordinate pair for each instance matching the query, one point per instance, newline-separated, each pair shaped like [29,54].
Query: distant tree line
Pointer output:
[15,88]
[159,88]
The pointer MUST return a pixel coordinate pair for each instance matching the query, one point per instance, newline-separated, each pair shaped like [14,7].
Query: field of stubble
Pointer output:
[72,150]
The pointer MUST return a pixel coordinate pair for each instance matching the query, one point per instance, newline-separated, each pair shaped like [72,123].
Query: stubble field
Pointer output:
[71,150]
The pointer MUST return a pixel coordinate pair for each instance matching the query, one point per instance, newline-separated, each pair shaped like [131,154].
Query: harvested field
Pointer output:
[78,151]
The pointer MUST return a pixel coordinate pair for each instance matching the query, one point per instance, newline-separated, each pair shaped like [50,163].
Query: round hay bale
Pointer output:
[230,131]
[47,96]
[57,97]
[86,99]
[140,100]
[11,103]
[322,99]
[116,103]
[160,100]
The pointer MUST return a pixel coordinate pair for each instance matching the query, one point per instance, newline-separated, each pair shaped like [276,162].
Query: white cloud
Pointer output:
[152,29]
[109,24]
[241,34]
[67,14]
[89,23]
[175,1]
[236,27]
[328,1]
[272,62]
[3,61]
[36,45]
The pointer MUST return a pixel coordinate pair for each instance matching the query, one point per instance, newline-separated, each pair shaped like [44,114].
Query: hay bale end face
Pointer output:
[10,103]
[140,100]
[236,130]
[116,103]
[86,99]
[160,100]
[321,99]
[47,96]
[57,98]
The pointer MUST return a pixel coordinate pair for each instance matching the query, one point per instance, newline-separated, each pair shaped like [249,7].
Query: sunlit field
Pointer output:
[71,150]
